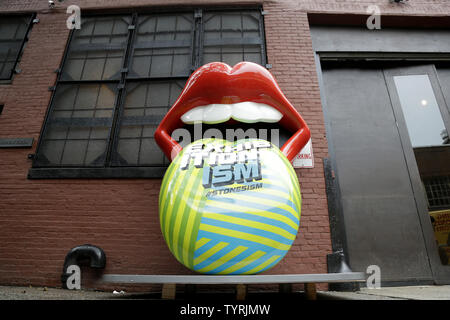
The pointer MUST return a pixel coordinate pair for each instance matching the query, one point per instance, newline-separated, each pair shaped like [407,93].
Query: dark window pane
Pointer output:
[129,149]
[146,104]
[232,37]
[13,30]
[151,153]
[6,69]
[232,54]
[251,55]
[77,131]
[52,151]
[74,152]
[163,46]
[95,150]
[97,49]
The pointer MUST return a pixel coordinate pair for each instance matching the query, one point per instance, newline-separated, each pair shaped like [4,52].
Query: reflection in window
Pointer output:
[430,141]
[421,111]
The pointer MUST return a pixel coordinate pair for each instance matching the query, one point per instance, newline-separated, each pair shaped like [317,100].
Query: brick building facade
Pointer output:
[41,219]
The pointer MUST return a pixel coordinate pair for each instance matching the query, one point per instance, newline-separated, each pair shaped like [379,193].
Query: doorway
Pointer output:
[388,125]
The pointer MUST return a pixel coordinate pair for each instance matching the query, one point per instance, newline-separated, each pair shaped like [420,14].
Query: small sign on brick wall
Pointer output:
[16,142]
[305,158]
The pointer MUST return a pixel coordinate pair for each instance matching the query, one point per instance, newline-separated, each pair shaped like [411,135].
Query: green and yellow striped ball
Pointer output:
[244,227]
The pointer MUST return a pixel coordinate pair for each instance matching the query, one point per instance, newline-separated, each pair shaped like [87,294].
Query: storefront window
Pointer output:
[430,141]
[420,108]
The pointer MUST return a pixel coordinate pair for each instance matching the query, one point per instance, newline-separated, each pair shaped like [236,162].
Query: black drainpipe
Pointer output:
[95,255]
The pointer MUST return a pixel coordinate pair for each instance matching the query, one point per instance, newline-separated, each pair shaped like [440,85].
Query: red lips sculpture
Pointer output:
[218,83]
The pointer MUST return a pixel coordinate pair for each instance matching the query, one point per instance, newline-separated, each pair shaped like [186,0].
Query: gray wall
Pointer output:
[351,39]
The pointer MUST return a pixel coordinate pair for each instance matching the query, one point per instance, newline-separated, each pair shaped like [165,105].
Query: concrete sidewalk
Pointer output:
[386,293]
[44,293]
[392,293]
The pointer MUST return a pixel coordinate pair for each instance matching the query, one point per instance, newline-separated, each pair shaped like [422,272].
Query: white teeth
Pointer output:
[248,112]
[216,113]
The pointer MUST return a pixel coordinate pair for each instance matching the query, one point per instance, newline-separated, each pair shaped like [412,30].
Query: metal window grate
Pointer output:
[232,37]
[120,75]
[13,35]
[438,192]
[145,105]
[162,46]
[78,129]
[97,50]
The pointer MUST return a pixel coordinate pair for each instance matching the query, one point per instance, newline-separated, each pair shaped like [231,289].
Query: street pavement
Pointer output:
[393,293]
[385,293]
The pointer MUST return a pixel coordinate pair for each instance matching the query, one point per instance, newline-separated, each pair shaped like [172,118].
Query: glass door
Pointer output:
[423,120]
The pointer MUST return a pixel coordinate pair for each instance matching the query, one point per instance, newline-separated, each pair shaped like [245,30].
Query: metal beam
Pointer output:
[97,173]
[383,56]
[244,279]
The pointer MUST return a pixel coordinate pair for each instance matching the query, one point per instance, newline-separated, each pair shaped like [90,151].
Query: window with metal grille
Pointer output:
[13,35]
[119,77]
[438,192]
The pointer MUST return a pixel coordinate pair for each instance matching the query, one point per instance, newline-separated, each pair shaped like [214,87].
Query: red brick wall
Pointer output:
[40,220]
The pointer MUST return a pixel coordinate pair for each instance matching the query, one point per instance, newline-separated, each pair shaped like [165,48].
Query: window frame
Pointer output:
[109,170]
[15,70]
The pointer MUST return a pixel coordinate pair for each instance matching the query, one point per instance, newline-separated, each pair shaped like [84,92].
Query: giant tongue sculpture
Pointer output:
[230,207]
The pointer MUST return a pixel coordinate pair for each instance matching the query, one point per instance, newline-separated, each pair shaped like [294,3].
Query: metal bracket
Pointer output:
[52,88]
[95,255]
[263,12]
[17,70]
[198,14]
[36,20]
[336,264]
[131,27]
[16,142]
[268,66]
[124,70]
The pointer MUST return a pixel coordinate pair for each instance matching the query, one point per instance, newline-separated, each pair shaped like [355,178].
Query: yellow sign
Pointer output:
[441,226]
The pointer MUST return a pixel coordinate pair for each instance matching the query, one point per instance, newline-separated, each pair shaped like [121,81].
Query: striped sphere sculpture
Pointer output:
[230,208]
